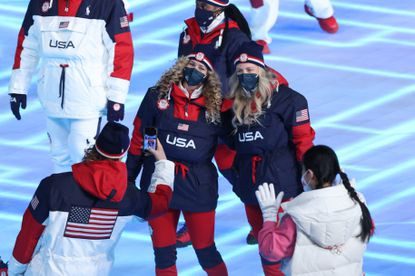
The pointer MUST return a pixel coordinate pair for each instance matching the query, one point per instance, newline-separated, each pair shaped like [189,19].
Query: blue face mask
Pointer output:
[249,83]
[203,17]
[193,77]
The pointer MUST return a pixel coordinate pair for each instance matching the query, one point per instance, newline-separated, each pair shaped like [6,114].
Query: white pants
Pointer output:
[265,16]
[68,140]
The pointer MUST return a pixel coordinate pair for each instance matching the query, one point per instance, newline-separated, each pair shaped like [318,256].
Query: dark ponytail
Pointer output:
[366,221]
[323,162]
[232,12]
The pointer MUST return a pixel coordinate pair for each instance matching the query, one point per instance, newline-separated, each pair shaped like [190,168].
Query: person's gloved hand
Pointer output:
[267,202]
[115,111]
[17,100]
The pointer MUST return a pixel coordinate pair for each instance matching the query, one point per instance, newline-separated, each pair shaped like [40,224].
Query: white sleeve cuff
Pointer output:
[117,89]
[163,175]
[15,267]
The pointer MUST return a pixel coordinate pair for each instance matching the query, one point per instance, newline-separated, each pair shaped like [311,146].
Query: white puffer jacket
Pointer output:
[328,223]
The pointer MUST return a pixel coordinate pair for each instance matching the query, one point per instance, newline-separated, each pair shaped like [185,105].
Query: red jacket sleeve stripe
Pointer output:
[303,136]
[123,56]
[28,238]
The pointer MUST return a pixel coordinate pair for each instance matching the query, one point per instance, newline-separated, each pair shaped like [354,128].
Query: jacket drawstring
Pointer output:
[62,84]
[255,160]
[183,169]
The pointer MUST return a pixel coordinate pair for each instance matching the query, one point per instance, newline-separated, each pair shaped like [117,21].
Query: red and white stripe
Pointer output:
[250,59]
[218,3]
[109,155]
[204,61]
[100,225]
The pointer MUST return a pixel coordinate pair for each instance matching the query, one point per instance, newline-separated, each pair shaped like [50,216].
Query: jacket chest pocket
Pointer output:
[62,37]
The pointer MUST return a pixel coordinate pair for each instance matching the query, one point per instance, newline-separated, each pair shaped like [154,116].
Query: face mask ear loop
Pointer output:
[169,93]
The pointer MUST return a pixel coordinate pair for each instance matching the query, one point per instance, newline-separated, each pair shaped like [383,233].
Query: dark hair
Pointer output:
[91,154]
[323,162]
[232,12]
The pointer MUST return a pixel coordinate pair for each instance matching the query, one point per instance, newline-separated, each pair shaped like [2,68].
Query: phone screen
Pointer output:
[150,138]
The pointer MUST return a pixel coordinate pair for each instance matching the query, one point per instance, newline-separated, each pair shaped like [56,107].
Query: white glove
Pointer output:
[267,202]
[163,175]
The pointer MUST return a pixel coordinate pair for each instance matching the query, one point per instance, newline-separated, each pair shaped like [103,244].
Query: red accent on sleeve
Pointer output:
[123,56]
[27,239]
[73,6]
[19,49]
[226,105]
[160,200]
[280,78]
[256,3]
[224,157]
[303,136]
[137,139]
[277,242]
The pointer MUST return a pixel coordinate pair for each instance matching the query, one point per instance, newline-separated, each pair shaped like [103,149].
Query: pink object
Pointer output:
[277,241]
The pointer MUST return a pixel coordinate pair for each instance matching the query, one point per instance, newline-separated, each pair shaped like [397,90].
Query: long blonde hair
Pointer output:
[247,110]
[211,88]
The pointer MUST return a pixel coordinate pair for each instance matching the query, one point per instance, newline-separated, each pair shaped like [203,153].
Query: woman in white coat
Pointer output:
[325,229]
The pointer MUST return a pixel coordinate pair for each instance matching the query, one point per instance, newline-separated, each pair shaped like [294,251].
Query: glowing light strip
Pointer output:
[350,112]
[360,70]
[335,44]
[384,174]
[162,13]
[388,136]
[390,258]
[366,25]
[20,9]
[350,128]
[10,217]
[393,243]
[372,8]
[377,205]
[15,195]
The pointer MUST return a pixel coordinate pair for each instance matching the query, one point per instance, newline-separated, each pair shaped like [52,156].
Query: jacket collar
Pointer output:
[181,96]
[193,30]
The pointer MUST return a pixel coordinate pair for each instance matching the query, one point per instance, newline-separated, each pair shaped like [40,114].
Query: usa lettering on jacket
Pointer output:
[250,136]
[180,142]
[61,44]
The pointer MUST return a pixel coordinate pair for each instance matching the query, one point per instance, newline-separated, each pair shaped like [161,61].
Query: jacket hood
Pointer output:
[105,179]
[328,216]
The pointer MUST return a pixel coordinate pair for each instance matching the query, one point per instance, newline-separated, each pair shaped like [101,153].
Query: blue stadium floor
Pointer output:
[360,84]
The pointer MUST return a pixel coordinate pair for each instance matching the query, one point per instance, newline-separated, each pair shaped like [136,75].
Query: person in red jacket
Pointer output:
[186,107]
[75,219]
[272,132]
[221,27]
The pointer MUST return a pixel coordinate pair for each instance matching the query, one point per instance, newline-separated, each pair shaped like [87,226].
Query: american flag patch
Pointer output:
[124,21]
[184,127]
[301,116]
[90,223]
[34,203]
[63,24]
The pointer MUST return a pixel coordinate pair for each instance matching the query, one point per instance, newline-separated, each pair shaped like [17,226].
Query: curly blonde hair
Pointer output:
[242,106]
[211,88]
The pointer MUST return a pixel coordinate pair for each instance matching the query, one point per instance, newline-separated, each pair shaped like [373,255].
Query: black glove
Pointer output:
[115,111]
[17,100]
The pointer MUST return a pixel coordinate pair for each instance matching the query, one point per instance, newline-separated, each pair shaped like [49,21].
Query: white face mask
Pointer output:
[306,185]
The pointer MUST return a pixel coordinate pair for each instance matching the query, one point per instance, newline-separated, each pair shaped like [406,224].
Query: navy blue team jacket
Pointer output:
[190,141]
[223,54]
[270,150]
[81,214]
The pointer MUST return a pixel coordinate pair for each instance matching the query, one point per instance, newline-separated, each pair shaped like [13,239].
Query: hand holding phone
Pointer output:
[159,152]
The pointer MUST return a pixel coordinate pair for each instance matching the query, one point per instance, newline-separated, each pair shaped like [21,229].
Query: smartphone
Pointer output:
[150,138]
